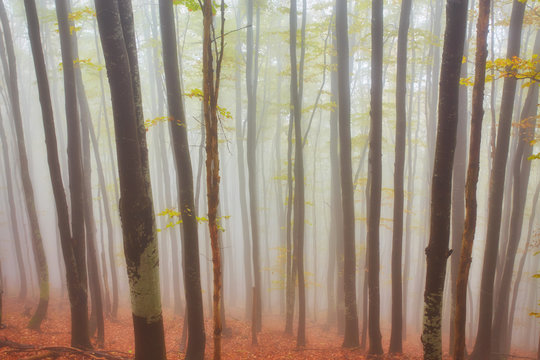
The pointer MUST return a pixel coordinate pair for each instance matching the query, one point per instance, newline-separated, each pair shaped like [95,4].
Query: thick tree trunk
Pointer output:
[482,345]
[10,73]
[472,180]
[437,251]
[396,337]
[347,193]
[136,209]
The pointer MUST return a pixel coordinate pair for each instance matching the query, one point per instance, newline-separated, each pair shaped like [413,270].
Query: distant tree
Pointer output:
[115,22]
[347,194]
[184,179]
[472,179]
[483,342]
[10,74]
[396,338]
[299,191]
[437,251]
[251,86]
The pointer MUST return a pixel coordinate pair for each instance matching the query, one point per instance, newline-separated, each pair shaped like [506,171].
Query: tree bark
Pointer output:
[396,337]
[437,251]
[136,209]
[347,193]
[472,180]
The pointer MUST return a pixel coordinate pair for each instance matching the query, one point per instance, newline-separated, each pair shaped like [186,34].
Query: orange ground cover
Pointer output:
[273,343]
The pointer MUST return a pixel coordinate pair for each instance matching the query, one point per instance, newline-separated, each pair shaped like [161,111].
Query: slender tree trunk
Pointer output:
[437,251]
[13,220]
[178,130]
[251,86]
[10,73]
[347,193]
[140,245]
[482,345]
[299,210]
[521,172]
[396,338]
[472,180]
[242,181]
[79,316]
[375,172]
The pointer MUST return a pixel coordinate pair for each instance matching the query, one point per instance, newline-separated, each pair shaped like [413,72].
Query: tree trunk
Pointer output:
[482,345]
[472,180]
[347,193]
[10,73]
[13,220]
[396,337]
[136,209]
[184,178]
[299,207]
[437,251]
[375,173]
[521,172]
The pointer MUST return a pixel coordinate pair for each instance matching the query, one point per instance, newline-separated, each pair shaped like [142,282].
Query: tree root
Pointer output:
[56,351]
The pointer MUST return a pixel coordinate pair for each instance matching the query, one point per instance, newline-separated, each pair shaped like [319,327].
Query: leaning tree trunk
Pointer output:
[482,345]
[347,193]
[472,180]
[396,337]
[437,251]
[136,208]
[76,290]
[10,73]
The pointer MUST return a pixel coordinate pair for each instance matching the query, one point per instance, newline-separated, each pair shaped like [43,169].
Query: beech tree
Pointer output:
[437,251]
[184,179]
[136,209]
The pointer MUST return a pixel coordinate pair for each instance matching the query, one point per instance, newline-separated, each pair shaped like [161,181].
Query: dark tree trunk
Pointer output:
[184,178]
[76,185]
[10,73]
[375,174]
[76,287]
[437,251]
[347,193]
[299,192]
[472,180]
[136,209]
[482,345]
[396,337]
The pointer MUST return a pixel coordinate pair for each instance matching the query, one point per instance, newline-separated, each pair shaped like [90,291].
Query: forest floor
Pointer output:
[52,342]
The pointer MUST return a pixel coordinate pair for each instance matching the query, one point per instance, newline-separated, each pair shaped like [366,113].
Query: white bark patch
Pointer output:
[144,285]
